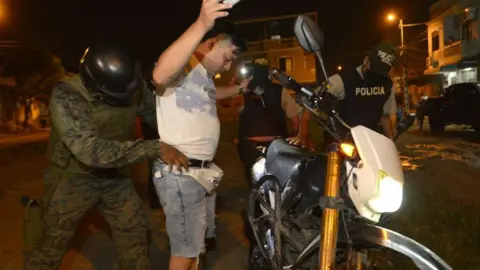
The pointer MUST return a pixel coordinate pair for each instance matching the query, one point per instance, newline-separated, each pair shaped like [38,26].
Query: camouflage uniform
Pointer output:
[90,148]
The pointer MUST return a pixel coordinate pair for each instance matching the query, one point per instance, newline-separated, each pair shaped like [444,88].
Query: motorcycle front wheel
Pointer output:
[256,260]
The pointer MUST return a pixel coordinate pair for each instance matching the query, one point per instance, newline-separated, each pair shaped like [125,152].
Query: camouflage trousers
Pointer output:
[121,207]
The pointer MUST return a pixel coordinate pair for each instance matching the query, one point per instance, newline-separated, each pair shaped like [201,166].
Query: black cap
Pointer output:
[382,57]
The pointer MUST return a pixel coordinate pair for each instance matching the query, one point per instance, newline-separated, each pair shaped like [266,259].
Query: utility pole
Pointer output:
[405,71]
[391,17]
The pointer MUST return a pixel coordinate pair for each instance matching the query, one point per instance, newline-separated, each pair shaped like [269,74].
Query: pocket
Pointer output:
[157,167]
[158,176]
[191,190]
[32,226]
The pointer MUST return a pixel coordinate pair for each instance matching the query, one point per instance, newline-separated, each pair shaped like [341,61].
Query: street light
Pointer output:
[339,68]
[391,17]
[3,11]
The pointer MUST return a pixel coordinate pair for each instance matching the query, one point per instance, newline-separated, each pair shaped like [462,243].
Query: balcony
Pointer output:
[272,45]
[450,54]
[453,50]
[453,53]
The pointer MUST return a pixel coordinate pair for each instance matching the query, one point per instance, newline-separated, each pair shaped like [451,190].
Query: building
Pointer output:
[273,39]
[453,40]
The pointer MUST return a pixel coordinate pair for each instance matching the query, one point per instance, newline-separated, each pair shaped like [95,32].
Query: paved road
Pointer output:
[22,162]
[11,140]
[22,165]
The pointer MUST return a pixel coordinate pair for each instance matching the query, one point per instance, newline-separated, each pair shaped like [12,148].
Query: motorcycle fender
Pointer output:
[369,236]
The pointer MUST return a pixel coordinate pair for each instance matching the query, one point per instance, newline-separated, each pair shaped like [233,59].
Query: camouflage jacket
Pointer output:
[91,138]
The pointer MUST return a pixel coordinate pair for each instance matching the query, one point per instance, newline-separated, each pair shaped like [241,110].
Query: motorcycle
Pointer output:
[323,211]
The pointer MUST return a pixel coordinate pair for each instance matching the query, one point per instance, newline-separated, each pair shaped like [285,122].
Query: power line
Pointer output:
[423,33]
[415,56]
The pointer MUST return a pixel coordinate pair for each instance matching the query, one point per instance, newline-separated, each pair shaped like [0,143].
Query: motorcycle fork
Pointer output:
[330,214]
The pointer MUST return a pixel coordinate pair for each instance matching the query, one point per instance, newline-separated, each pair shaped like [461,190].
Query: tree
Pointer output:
[36,73]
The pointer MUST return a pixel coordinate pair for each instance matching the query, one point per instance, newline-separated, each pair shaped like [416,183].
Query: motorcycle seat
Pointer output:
[283,160]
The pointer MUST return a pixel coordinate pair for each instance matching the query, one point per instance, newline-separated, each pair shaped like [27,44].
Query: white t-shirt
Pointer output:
[187,115]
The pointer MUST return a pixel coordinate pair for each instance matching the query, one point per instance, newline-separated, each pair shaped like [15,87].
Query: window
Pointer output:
[435,41]
[467,30]
[285,64]
[468,75]
[282,28]
[453,80]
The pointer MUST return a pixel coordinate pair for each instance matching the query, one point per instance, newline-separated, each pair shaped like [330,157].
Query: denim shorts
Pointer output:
[189,211]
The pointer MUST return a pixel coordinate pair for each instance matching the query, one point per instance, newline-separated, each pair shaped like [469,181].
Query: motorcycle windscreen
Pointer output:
[379,177]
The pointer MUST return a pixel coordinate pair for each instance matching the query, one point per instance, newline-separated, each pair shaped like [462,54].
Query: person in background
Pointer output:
[420,112]
[146,132]
[263,117]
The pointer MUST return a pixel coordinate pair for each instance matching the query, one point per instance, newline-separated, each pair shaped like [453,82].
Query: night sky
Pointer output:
[67,27]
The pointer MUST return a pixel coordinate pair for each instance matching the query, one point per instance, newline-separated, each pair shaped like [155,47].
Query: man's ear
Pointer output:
[366,62]
[211,43]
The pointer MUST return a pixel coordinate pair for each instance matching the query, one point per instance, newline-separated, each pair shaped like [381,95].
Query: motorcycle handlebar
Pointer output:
[289,82]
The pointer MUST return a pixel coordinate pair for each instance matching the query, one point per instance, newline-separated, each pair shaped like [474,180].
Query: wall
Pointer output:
[273,38]
[273,50]
[303,64]
[447,18]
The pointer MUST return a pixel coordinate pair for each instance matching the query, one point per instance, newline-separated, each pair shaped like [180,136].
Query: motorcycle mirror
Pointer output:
[308,34]
[404,124]
[310,37]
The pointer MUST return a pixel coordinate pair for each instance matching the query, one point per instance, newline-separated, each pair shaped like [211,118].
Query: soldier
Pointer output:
[150,133]
[93,123]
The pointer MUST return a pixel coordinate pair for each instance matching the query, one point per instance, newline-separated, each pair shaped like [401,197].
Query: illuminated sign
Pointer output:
[261,61]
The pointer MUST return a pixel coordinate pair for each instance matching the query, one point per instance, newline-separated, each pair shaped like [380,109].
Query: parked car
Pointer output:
[460,104]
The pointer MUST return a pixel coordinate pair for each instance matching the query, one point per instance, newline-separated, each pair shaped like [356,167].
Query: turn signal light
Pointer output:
[348,149]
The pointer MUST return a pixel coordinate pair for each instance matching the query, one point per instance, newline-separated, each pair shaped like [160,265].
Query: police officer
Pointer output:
[420,112]
[150,133]
[263,116]
[91,145]
[366,94]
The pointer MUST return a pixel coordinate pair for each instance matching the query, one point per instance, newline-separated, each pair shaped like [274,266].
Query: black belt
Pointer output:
[195,163]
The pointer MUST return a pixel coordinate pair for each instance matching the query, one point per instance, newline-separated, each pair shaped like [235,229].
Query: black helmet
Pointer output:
[112,72]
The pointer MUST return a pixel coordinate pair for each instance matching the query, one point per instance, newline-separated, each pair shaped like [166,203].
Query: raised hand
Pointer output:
[210,11]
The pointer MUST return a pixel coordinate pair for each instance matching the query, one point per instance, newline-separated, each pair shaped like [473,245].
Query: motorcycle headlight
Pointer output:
[389,194]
